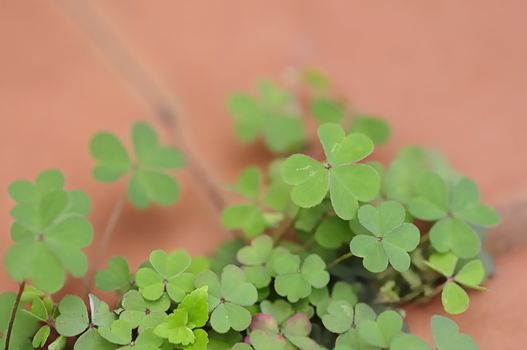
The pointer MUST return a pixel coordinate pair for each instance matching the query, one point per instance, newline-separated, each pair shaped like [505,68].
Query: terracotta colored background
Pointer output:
[451,74]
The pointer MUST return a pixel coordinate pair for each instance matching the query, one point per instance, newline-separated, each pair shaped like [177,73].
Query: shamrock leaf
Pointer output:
[390,238]
[446,336]
[295,329]
[24,327]
[142,313]
[454,298]
[332,233]
[181,327]
[342,291]
[73,316]
[374,127]
[167,275]
[50,231]
[273,117]
[296,282]
[149,181]
[119,332]
[347,182]
[229,298]
[249,217]
[456,210]
[381,332]
[146,340]
[116,277]
[255,259]
[327,110]
[280,310]
[345,319]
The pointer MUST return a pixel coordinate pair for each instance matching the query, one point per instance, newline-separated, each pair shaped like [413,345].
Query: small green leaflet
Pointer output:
[24,327]
[273,117]
[50,231]
[295,280]
[446,336]
[256,260]
[228,298]
[116,277]
[382,331]
[141,313]
[454,298]
[167,275]
[347,182]
[456,210]
[183,326]
[150,181]
[390,238]
[374,127]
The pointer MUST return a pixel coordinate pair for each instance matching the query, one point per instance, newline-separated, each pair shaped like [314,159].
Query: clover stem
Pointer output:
[21,288]
[339,260]
[163,103]
[109,229]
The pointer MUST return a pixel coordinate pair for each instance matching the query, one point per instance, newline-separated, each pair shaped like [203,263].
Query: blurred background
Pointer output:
[448,74]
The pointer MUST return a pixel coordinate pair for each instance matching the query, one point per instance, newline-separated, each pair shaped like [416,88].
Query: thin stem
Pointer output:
[162,102]
[339,260]
[108,232]
[21,288]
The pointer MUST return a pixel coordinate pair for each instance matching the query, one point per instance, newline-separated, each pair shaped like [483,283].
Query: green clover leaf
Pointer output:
[146,340]
[390,238]
[41,336]
[149,178]
[141,313]
[167,275]
[347,182]
[73,316]
[50,231]
[116,277]
[296,282]
[246,217]
[118,332]
[456,210]
[327,110]
[341,291]
[229,298]
[332,233]
[256,258]
[181,327]
[345,319]
[454,298]
[383,331]
[272,116]
[374,127]
[24,327]
[446,336]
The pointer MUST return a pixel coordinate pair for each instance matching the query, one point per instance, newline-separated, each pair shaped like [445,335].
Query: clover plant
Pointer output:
[329,243]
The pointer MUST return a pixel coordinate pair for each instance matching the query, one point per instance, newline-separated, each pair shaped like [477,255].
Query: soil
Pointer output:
[446,74]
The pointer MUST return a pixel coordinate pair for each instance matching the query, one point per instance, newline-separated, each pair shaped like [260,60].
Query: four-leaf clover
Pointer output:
[347,182]
[150,181]
[229,298]
[390,238]
[456,210]
[454,298]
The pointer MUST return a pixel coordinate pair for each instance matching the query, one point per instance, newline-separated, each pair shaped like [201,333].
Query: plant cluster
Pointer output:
[330,243]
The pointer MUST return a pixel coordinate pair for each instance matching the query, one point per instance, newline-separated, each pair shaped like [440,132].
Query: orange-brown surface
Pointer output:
[449,74]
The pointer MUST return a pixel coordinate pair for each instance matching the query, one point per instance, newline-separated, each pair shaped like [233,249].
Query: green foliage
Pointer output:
[390,238]
[456,210]
[150,181]
[228,298]
[273,116]
[50,231]
[167,275]
[455,299]
[334,250]
[347,182]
